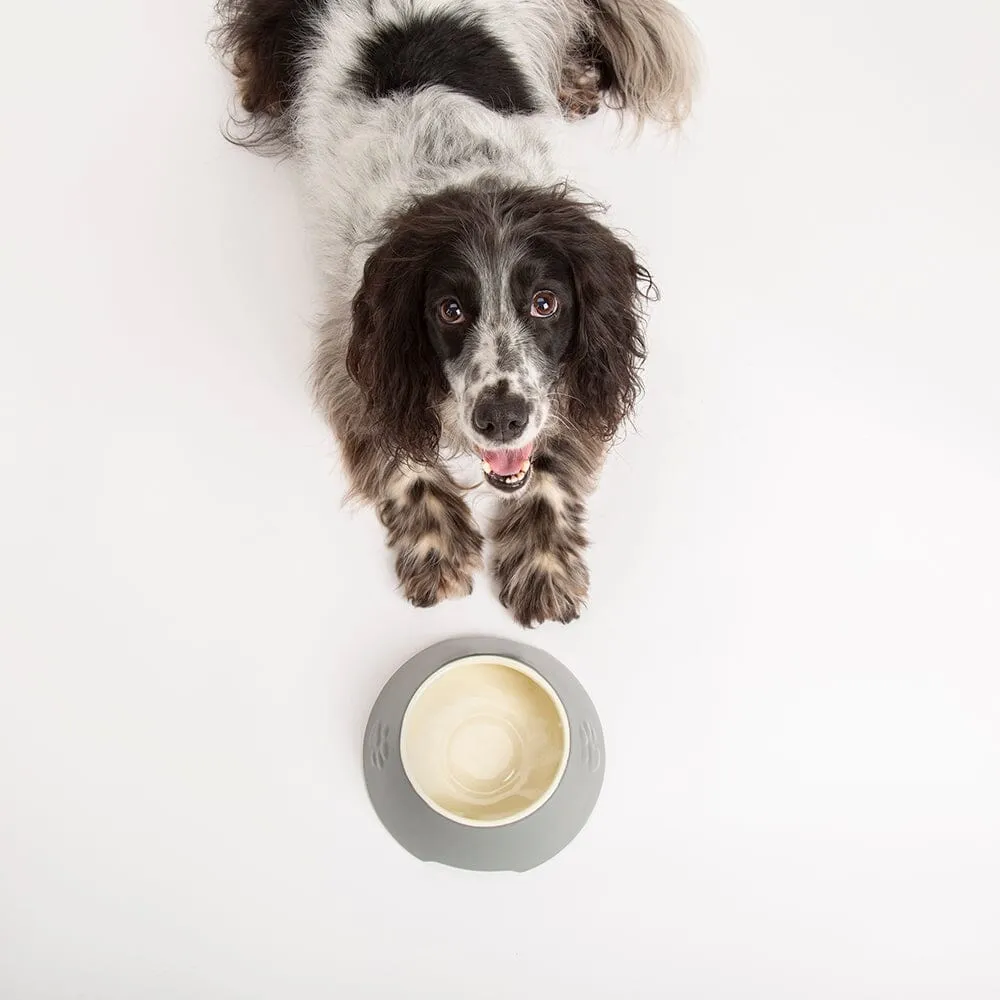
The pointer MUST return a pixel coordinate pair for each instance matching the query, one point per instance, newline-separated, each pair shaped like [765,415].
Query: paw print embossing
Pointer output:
[592,750]
[378,745]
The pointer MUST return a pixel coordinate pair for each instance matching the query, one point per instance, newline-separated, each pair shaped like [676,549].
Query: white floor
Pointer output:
[794,632]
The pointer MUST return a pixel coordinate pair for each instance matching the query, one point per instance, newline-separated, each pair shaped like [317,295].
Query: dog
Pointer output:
[475,304]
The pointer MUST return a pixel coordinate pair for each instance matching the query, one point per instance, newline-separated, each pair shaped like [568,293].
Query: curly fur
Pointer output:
[388,356]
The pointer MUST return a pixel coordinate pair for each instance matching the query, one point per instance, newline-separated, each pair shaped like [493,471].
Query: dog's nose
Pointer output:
[500,418]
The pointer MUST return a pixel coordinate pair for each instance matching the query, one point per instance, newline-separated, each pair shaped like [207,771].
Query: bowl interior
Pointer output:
[485,740]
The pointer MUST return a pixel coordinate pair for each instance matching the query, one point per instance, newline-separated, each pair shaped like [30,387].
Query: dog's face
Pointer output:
[514,310]
[501,326]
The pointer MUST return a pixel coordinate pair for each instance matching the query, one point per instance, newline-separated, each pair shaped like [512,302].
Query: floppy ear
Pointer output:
[390,356]
[603,367]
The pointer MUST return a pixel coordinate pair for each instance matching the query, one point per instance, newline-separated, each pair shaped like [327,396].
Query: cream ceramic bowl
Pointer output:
[485,741]
[483,754]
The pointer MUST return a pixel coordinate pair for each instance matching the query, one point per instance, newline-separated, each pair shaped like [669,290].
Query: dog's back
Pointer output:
[510,55]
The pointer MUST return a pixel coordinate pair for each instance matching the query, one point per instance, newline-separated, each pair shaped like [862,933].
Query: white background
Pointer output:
[794,631]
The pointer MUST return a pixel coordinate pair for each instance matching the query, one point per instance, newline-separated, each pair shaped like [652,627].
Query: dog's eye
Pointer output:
[544,305]
[451,311]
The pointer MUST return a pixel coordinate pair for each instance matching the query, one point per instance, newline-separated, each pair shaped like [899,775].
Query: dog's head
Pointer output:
[515,307]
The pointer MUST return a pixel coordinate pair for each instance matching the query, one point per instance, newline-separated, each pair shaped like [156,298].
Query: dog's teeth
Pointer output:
[486,466]
[526,465]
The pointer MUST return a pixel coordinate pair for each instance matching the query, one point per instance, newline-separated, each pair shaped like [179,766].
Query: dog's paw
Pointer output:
[580,91]
[428,575]
[544,587]
[438,547]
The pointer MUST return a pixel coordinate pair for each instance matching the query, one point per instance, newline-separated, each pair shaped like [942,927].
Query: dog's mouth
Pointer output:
[507,470]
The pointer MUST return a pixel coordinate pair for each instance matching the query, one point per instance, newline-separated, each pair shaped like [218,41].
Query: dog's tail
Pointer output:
[648,57]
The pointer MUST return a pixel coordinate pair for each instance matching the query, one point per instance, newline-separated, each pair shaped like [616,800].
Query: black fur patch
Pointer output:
[447,50]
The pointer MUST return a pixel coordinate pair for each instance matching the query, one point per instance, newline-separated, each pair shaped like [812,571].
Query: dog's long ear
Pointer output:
[389,354]
[603,366]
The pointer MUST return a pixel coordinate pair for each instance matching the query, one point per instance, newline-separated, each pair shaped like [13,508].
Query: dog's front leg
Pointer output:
[437,545]
[539,538]
[430,529]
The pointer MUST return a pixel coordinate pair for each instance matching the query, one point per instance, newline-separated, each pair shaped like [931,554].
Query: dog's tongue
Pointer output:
[506,463]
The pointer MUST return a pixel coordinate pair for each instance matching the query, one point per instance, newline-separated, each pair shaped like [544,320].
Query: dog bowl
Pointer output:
[483,754]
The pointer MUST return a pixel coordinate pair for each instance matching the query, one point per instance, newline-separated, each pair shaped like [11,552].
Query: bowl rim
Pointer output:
[533,675]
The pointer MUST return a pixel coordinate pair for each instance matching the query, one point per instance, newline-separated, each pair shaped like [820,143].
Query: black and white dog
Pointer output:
[476,304]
